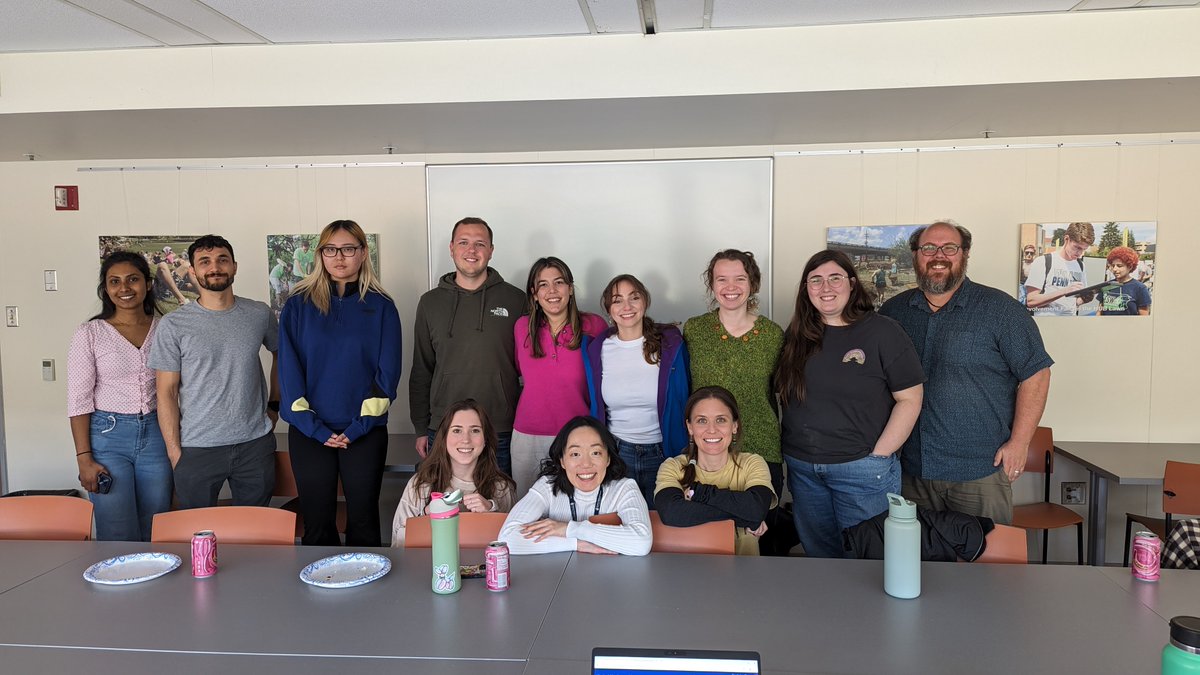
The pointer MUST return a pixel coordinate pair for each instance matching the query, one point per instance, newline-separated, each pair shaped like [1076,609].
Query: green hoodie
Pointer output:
[463,348]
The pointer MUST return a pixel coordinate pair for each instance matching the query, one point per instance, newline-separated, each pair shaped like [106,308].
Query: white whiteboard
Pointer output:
[659,220]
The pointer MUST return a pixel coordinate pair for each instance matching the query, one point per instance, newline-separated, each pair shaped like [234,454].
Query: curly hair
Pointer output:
[1124,255]
[753,275]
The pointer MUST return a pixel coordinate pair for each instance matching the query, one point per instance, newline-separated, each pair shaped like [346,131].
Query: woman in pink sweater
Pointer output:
[550,361]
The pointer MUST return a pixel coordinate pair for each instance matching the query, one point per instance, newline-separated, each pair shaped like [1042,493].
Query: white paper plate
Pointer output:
[132,568]
[346,570]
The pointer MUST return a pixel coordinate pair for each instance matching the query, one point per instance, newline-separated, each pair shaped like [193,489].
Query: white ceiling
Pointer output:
[61,25]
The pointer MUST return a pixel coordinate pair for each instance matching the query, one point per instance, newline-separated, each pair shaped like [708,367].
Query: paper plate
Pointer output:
[131,569]
[346,570]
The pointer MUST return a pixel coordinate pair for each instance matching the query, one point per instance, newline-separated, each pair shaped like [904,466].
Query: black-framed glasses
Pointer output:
[834,281]
[948,250]
[346,251]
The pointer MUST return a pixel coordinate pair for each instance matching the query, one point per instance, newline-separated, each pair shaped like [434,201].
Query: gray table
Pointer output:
[1120,464]
[21,561]
[256,605]
[402,454]
[1176,593]
[831,616]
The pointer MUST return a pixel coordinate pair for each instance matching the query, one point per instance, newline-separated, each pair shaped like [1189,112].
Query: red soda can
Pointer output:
[204,554]
[1147,553]
[495,559]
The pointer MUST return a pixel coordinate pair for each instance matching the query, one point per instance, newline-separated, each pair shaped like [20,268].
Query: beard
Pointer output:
[954,276]
[216,284]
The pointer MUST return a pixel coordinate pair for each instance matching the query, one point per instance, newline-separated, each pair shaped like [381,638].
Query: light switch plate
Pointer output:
[51,279]
[10,316]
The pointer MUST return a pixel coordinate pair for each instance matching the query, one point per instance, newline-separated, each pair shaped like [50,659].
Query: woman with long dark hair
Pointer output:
[339,363]
[462,457]
[637,373]
[112,402]
[851,385]
[713,480]
[549,355]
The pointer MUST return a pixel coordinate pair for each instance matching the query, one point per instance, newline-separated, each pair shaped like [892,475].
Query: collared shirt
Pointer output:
[106,372]
[975,352]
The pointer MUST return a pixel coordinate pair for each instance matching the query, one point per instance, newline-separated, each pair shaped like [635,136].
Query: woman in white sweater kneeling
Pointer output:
[583,477]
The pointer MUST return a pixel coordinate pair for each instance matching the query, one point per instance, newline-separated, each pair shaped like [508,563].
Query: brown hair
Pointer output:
[703,394]
[753,275]
[805,333]
[435,470]
[537,317]
[652,349]
[1083,233]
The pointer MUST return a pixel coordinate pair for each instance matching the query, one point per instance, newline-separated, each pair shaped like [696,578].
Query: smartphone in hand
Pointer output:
[103,483]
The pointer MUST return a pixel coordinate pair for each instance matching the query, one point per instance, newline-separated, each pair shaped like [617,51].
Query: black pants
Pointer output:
[318,467]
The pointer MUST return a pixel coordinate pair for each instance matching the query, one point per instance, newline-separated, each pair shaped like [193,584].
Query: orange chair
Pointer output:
[716,538]
[1046,515]
[231,524]
[1181,494]
[45,517]
[475,530]
[1005,544]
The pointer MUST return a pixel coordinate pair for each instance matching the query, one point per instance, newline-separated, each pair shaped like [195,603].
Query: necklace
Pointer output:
[745,337]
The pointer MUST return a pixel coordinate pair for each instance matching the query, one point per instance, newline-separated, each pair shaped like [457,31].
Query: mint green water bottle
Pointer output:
[901,549]
[1182,653]
[443,521]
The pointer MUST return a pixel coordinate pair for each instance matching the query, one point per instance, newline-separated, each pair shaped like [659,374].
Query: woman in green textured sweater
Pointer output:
[735,347]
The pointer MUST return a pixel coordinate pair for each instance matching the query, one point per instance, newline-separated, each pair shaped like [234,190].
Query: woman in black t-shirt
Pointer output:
[851,384]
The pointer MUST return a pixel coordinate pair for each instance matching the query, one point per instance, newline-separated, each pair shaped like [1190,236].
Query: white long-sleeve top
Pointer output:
[631,537]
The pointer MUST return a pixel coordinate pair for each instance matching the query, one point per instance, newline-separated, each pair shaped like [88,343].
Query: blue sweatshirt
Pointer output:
[338,371]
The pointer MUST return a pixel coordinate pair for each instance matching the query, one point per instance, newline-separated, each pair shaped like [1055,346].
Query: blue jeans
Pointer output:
[641,464]
[131,449]
[831,497]
[503,451]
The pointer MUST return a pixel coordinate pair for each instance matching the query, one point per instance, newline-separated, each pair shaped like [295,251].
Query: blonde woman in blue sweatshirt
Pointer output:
[339,364]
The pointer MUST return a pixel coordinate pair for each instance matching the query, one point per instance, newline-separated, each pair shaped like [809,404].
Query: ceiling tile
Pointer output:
[755,13]
[384,20]
[679,14]
[615,16]
[204,20]
[50,25]
[138,18]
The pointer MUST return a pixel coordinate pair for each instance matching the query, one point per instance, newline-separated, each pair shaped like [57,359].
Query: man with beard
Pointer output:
[212,397]
[988,372]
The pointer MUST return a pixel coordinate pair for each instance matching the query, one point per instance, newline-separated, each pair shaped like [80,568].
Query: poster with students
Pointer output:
[1082,268]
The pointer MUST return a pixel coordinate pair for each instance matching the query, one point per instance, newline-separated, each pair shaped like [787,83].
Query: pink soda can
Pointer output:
[204,554]
[495,559]
[1147,551]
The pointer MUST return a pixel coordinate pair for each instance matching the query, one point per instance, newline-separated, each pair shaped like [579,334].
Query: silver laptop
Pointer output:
[617,661]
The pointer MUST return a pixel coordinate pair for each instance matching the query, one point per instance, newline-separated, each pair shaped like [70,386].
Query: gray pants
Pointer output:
[990,496]
[528,452]
[249,467]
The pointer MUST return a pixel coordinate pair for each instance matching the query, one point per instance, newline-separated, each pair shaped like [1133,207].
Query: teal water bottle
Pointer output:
[901,549]
[443,521]
[1182,653]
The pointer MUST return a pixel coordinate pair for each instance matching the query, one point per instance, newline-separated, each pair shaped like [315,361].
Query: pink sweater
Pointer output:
[555,386]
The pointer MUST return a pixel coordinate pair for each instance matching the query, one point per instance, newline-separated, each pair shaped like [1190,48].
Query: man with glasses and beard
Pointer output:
[212,397]
[988,375]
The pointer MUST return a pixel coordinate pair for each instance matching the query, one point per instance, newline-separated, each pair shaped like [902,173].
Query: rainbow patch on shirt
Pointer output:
[856,356]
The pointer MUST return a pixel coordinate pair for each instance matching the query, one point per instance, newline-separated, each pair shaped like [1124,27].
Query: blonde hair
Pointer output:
[315,287]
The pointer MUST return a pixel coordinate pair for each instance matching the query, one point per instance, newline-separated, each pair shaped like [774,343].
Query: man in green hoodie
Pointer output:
[463,346]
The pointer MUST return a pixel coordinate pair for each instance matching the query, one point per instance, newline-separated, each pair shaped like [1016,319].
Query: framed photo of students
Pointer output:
[881,257]
[167,255]
[1084,268]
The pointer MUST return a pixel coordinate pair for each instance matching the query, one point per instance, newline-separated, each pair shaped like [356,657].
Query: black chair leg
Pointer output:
[1128,533]
[1045,542]
[1079,540]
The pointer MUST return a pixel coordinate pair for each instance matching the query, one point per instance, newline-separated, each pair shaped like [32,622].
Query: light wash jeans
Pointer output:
[131,449]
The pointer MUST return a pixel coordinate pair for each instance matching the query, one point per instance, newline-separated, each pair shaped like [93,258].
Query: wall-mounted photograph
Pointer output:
[291,257]
[881,257]
[1103,268]
[167,255]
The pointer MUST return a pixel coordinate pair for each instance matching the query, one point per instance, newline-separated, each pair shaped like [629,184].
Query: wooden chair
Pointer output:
[716,538]
[231,524]
[1181,495]
[475,530]
[1046,515]
[1005,544]
[45,517]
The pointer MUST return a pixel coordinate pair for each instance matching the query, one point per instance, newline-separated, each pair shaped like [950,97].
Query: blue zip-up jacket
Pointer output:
[674,385]
[338,371]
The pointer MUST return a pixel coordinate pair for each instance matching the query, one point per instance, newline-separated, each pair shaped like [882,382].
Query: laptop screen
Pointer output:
[614,661]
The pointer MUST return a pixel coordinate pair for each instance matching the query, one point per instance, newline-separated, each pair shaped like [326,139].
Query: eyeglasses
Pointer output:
[834,281]
[346,251]
[1029,254]
[949,250]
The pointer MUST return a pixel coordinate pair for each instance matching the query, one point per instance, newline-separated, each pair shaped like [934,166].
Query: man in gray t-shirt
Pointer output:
[213,405]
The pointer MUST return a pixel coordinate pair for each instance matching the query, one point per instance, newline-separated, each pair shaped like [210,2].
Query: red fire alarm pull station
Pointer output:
[66,197]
